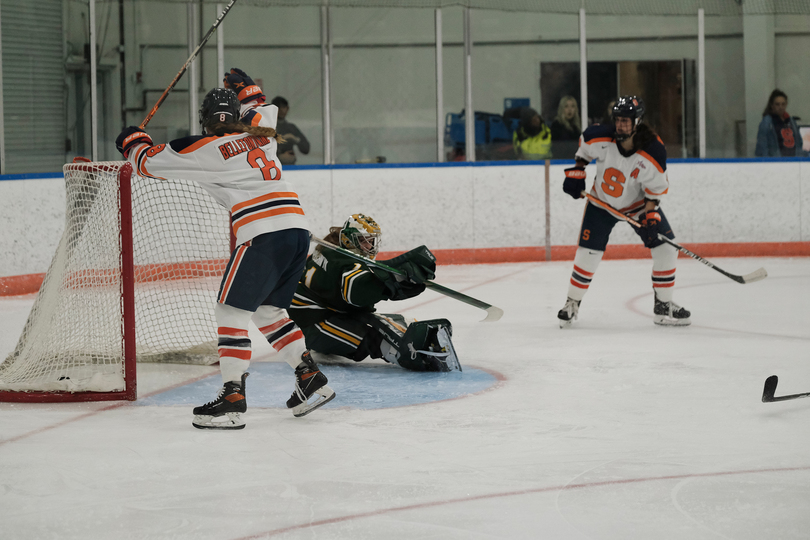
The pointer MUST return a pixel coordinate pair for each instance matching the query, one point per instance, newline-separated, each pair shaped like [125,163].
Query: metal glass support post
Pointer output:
[220,49]
[469,112]
[439,89]
[193,101]
[583,70]
[326,65]
[2,112]
[702,83]
[93,84]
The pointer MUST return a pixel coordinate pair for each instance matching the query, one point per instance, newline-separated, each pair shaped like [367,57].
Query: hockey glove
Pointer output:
[131,137]
[574,183]
[246,90]
[651,221]
[418,265]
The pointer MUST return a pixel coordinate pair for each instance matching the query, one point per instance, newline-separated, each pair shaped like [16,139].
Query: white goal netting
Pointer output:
[73,340]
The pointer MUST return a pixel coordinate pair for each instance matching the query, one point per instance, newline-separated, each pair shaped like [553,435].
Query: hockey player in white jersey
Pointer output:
[236,163]
[631,176]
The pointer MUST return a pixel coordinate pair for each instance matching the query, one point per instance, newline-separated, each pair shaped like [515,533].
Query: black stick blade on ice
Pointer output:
[770,389]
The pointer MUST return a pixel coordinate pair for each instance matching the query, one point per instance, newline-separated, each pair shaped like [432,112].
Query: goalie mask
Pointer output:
[628,107]
[361,234]
[220,106]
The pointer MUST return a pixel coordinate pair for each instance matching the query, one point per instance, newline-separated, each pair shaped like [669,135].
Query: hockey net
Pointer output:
[135,277]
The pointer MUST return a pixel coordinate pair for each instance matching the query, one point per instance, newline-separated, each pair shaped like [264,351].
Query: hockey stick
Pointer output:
[756,275]
[185,66]
[770,388]
[493,313]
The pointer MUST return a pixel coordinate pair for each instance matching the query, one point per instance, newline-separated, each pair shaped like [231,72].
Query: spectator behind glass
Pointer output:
[292,135]
[532,138]
[565,129]
[778,134]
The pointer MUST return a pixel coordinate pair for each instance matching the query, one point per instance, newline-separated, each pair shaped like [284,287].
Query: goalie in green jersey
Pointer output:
[335,299]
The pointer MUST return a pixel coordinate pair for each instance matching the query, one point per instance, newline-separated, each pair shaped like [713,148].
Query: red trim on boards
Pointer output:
[30,283]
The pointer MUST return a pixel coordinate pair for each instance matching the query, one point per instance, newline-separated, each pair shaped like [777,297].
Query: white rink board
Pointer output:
[478,206]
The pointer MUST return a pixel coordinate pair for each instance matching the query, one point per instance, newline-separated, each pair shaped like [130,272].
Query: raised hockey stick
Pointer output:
[493,313]
[770,388]
[185,66]
[756,275]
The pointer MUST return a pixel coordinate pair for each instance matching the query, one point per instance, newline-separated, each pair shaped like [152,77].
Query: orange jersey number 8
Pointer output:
[258,160]
[613,184]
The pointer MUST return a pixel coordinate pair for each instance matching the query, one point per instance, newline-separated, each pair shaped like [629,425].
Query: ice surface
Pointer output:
[612,429]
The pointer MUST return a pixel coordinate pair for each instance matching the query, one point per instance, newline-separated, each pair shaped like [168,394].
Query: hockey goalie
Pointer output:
[334,303]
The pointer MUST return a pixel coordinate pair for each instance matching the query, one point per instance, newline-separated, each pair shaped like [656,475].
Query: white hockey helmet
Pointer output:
[361,234]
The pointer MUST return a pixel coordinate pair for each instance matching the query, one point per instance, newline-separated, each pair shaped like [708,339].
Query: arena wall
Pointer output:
[481,212]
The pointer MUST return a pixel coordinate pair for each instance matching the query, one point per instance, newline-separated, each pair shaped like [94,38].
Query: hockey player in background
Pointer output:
[334,303]
[236,163]
[631,164]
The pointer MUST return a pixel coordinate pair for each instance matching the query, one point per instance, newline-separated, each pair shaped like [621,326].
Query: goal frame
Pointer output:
[127,268]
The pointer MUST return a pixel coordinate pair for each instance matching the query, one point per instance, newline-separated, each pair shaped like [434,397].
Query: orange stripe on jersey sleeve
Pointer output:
[140,161]
[265,214]
[599,139]
[648,192]
[649,157]
[264,198]
[197,145]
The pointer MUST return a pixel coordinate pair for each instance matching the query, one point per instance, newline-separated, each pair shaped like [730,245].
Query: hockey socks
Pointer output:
[586,262]
[233,343]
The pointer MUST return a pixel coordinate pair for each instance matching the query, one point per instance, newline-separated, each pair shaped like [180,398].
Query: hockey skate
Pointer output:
[568,313]
[670,314]
[309,381]
[230,402]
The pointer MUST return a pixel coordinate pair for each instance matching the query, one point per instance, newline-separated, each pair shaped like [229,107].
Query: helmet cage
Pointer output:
[628,107]
[361,235]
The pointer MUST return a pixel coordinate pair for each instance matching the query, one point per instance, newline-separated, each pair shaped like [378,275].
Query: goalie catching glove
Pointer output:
[246,90]
[131,137]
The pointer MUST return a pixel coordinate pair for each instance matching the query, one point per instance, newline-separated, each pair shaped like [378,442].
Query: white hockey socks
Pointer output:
[233,342]
[281,333]
[586,262]
[664,259]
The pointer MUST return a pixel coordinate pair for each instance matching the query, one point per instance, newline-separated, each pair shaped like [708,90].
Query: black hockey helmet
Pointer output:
[629,107]
[219,106]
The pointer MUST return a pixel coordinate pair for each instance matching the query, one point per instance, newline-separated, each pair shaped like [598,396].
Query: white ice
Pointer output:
[612,429]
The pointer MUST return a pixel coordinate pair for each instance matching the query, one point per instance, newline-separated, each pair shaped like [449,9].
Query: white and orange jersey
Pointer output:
[240,171]
[624,181]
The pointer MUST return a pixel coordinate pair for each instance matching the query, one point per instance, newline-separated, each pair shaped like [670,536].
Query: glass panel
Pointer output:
[279,47]
[514,55]
[383,85]
[658,64]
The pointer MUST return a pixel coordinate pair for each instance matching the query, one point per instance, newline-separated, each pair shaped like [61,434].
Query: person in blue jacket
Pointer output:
[778,134]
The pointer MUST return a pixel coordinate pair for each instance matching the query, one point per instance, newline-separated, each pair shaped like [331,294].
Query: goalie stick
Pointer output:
[756,275]
[493,313]
[185,66]
[770,388]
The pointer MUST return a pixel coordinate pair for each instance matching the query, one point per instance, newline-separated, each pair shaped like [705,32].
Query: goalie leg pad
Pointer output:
[422,346]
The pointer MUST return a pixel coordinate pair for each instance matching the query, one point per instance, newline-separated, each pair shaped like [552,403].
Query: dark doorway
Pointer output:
[667,87]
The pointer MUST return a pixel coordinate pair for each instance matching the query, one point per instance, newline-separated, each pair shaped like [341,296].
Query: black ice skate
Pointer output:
[230,402]
[309,381]
[670,314]
[568,313]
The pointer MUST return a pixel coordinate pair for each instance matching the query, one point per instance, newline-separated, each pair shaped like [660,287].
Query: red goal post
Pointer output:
[134,279]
